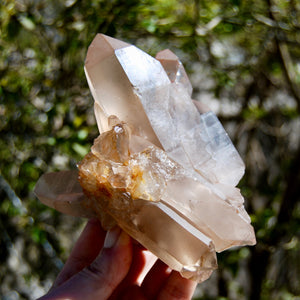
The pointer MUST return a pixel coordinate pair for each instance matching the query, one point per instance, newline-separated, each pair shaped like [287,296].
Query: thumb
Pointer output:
[100,279]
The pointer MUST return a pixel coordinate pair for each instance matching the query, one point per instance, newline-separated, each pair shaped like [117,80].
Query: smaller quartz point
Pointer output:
[219,153]
[163,167]
[174,69]
[62,191]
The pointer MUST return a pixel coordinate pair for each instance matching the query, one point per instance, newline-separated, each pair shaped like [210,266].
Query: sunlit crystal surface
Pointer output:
[163,168]
[131,191]
[174,69]
[151,175]
[162,109]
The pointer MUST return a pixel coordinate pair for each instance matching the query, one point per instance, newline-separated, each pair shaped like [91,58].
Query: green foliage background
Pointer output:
[243,57]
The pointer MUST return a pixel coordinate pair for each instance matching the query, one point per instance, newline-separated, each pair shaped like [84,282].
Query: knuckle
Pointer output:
[98,275]
[78,260]
[94,271]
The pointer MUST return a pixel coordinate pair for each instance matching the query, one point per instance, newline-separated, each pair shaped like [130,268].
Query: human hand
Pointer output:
[108,266]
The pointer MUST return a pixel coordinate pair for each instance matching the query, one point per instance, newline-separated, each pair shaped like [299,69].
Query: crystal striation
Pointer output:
[163,167]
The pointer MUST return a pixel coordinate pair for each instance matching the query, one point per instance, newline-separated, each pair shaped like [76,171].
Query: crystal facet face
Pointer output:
[163,167]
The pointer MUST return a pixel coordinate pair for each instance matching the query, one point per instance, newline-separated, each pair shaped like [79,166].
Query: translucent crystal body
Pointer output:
[152,176]
[132,189]
[163,168]
[161,98]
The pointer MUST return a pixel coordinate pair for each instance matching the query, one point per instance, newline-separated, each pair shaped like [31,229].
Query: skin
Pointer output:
[101,266]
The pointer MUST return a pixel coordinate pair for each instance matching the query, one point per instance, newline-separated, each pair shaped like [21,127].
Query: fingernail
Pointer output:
[112,237]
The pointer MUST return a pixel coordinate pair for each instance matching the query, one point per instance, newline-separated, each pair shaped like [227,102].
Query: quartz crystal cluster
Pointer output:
[163,168]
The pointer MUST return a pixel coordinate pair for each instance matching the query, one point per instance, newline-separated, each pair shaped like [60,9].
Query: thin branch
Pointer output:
[286,61]
[292,192]
[289,71]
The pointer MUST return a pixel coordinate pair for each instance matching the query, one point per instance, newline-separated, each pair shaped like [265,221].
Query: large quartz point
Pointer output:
[163,167]
[158,105]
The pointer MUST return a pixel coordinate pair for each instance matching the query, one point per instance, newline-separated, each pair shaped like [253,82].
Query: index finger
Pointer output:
[84,252]
[177,288]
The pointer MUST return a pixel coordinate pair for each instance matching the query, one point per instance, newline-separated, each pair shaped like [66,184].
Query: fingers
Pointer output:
[155,279]
[133,292]
[84,252]
[137,265]
[177,287]
[160,283]
[99,279]
[90,275]
[136,269]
